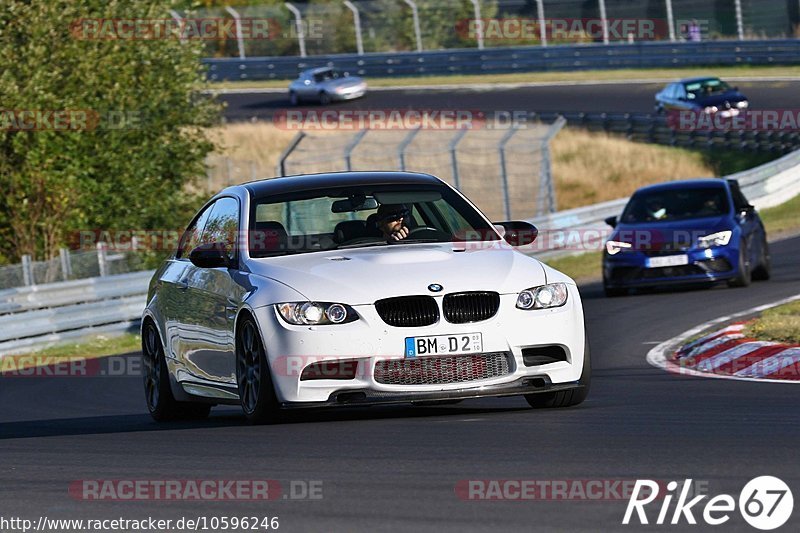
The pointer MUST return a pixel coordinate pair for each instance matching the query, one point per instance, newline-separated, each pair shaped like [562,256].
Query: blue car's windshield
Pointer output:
[676,204]
[702,88]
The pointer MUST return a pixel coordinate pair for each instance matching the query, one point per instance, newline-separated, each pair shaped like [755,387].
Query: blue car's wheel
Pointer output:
[764,269]
[744,276]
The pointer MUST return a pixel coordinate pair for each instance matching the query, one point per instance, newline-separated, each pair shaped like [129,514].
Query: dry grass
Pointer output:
[592,167]
[589,167]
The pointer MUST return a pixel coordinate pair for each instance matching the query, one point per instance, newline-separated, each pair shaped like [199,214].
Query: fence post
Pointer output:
[27,270]
[670,20]
[739,22]
[281,168]
[102,263]
[357,24]
[401,148]
[176,16]
[239,36]
[348,150]
[454,157]
[501,148]
[546,184]
[298,23]
[66,263]
[415,15]
[542,28]
[476,9]
[604,20]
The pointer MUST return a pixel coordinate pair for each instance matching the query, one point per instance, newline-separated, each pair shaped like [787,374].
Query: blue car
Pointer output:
[685,232]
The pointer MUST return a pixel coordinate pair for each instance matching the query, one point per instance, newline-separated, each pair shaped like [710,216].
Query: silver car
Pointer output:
[325,85]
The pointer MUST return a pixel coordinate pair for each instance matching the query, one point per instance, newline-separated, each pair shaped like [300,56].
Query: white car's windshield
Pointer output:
[329,219]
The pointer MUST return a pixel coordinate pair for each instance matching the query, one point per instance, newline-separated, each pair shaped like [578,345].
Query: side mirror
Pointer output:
[518,232]
[211,255]
[611,221]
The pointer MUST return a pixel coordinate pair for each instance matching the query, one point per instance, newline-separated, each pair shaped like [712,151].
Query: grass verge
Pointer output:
[543,77]
[779,324]
[91,348]
[582,268]
[782,219]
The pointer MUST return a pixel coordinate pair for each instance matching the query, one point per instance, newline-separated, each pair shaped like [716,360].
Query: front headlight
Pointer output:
[744,104]
[711,109]
[543,297]
[615,247]
[721,238]
[316,313]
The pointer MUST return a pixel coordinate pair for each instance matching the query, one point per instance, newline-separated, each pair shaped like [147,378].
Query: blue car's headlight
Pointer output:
[615,247]
[543,297]
[721,238]
[316,313]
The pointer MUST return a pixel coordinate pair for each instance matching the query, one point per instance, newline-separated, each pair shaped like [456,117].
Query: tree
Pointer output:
[135,139]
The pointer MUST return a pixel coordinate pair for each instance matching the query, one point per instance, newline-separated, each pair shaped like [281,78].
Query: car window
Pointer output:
[192,237]
[676,204]
[679,92]
[699,89]
[669,92]
[739,201]
[316,222]
[222,225]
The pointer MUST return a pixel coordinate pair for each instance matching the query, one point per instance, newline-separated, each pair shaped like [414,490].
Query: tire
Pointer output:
[155,375]
[745,275]
[565,398]
[659,109]
[253,379]
[764,269]
[324,98]
[293,99]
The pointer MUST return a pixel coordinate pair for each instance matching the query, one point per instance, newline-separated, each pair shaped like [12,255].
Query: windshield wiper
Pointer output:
[411,241]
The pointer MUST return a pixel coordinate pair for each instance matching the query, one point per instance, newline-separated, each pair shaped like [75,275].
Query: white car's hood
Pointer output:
[363,275]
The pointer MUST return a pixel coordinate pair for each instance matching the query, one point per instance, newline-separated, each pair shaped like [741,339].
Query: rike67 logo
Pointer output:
[765,503]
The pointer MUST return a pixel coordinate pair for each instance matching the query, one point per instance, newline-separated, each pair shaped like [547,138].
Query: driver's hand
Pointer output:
[400,234]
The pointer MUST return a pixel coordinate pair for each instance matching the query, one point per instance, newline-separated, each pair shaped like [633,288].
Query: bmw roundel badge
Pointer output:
[435,287]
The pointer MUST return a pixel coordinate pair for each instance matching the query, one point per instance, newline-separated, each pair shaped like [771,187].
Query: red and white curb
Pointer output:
[726,352]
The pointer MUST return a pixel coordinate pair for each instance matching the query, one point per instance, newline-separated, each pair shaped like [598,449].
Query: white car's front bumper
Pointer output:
[290,349]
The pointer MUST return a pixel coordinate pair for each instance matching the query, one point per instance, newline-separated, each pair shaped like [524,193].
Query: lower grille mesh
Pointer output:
[441,370]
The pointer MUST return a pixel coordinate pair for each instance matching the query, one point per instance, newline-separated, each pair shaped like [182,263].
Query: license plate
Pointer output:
[667,261]
[444,344]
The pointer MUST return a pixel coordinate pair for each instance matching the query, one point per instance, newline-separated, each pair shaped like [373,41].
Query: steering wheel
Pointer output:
[422,228]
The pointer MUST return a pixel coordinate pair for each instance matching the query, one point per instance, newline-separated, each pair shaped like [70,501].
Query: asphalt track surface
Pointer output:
[396,468]
[606,98]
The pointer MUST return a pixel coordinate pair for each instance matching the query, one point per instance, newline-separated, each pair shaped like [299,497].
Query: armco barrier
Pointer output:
[517,59]
[33,316]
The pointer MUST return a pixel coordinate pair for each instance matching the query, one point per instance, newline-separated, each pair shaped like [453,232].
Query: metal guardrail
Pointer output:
[655,129]
[31,317]
[517,59]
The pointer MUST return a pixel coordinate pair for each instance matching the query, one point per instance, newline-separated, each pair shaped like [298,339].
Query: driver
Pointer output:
[391,220]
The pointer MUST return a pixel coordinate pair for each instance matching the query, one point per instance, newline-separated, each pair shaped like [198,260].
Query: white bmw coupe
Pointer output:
[356,288]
